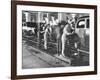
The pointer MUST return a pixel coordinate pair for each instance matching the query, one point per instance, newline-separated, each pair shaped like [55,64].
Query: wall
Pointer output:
[5,32]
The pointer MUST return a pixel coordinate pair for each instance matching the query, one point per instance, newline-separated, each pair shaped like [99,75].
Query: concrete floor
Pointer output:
[34,58]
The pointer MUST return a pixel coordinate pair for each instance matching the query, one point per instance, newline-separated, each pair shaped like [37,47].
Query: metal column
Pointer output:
[38,33]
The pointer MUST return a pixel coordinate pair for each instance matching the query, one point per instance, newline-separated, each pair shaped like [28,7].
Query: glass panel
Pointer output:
[81,24]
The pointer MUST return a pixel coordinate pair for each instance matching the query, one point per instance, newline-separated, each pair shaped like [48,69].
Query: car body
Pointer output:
[82,28]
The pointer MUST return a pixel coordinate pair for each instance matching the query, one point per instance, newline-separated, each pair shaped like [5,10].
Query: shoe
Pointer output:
[62,55]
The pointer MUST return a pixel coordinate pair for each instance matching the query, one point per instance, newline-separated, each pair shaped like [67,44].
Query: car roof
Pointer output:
[83,17]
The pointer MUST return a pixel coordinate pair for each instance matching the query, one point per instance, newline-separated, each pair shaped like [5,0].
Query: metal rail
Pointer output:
[86,52]
[42,40]
[83,51]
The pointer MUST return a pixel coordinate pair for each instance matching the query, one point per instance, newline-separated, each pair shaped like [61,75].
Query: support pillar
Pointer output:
[38,33]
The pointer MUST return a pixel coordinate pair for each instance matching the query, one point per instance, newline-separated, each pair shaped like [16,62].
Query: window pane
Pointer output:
[81,24]
[87,24]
